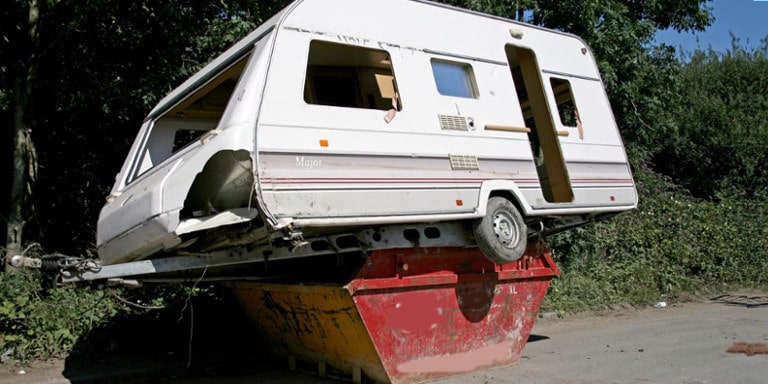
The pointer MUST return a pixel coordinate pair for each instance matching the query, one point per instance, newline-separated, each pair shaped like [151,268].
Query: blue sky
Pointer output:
[747,19]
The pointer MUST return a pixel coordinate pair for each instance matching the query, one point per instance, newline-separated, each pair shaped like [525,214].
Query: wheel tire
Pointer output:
[502,233]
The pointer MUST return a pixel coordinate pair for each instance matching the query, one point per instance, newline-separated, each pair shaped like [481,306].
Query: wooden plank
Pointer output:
[507,128]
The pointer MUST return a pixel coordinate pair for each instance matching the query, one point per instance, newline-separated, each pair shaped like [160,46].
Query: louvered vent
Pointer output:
[456,123]
[464,163]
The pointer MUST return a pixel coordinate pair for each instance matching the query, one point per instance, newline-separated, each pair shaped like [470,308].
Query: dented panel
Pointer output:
[195,161]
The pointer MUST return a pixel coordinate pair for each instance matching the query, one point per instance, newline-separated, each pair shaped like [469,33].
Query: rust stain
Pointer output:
[749,349]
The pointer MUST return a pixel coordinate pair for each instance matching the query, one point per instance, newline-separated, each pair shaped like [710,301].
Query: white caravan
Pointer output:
[339,115]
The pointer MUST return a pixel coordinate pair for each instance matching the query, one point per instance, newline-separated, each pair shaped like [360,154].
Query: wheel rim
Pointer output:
[505,229]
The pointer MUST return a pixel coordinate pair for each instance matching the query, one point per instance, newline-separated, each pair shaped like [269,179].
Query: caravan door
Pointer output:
[545,144]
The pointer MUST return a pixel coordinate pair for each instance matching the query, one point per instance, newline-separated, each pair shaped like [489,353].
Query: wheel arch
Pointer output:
[503,188]
[225,181]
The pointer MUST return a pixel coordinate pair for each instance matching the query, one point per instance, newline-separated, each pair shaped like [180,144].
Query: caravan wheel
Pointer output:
[502,233]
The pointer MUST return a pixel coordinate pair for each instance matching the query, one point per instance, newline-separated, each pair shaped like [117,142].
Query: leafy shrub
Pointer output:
[671,244]
[719,149]
[37,324]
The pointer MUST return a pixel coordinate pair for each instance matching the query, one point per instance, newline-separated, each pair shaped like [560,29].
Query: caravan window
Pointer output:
[195,114]
[350,76]
[454,79]
[566,104]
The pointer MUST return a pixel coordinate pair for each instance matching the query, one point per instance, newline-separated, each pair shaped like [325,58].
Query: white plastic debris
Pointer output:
[660,304]
[5,357]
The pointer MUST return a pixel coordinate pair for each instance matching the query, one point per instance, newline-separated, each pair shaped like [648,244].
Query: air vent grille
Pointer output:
[464,163]
[456,123]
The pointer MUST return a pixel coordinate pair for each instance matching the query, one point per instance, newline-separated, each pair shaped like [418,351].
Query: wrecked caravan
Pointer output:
[337,115]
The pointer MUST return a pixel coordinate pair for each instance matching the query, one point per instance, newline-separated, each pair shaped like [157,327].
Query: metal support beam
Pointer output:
[397,236]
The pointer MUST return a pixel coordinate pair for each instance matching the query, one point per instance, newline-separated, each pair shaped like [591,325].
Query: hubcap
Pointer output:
[505,229]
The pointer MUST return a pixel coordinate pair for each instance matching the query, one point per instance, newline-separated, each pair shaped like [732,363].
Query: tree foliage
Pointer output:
[719,151]
[637,76]
[640,79]
[102,65]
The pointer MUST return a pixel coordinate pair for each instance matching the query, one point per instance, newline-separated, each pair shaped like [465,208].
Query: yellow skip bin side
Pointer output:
[314,324]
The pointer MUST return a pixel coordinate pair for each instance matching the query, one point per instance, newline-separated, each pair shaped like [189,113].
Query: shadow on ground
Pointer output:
[534,338]
[156,346]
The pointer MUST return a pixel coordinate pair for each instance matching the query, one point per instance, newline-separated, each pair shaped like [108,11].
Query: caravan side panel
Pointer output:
[343,162]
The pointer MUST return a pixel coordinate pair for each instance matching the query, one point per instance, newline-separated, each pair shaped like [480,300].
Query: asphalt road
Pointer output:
[678,344]
[683,343]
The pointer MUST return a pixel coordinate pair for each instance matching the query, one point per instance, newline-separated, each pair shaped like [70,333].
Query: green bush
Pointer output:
[37,324]
[671,244]
[718,150]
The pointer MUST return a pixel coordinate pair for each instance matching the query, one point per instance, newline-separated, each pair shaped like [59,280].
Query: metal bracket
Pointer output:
[18,261]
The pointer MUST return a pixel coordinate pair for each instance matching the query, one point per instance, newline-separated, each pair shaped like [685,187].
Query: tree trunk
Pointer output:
[24,162]
[19,171]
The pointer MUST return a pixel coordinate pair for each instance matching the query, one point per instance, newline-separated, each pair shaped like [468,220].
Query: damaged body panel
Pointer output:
[191,166]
